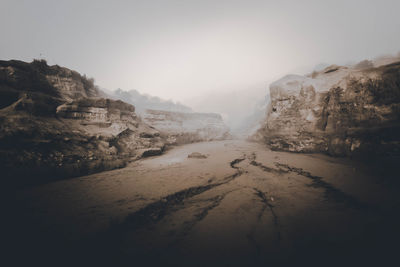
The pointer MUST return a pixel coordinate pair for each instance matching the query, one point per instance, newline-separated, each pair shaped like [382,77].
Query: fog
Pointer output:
[164,146]
[214,56]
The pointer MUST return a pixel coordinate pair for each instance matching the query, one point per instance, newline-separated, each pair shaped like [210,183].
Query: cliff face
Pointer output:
[54,123]
[176,122]
[182,127]
[339,110]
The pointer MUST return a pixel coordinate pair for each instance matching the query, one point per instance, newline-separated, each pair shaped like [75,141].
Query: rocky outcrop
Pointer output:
[340,110]
[182,127]
[177,122]
[99,111]
[54,123]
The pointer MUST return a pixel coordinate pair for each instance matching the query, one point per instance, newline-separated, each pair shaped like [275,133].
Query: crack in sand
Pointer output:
[215,201]
[156,211]
[264,199]
[331,192]
[252,156]
[267,169]
[236,161]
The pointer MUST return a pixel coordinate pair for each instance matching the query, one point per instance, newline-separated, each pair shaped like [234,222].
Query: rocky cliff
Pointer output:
[184,127]
[352,110]
[55,123]
[178,123]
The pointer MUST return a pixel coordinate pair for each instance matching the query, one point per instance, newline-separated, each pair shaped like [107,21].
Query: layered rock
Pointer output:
[98,111]
[54,123]
[339,110]
[183,127]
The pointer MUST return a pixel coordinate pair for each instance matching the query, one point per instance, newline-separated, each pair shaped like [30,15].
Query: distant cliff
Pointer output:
[55,123]
[177,122]
[183,127]
[143,101]
[353,110]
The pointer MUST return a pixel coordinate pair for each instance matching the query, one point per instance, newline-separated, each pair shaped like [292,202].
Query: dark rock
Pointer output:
[146,135]
[152,152]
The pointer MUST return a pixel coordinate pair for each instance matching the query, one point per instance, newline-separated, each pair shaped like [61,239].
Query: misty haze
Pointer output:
[200,133]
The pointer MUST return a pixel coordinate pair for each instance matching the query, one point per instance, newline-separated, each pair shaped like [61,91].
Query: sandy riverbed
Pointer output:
[242,205]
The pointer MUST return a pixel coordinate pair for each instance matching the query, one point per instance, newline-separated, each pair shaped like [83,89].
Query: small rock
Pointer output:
[197,155]
[152,152]
[146,135]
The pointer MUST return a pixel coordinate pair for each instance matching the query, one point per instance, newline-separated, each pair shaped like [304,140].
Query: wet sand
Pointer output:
[243,205]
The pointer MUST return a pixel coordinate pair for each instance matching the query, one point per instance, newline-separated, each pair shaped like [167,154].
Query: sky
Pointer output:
[185,50]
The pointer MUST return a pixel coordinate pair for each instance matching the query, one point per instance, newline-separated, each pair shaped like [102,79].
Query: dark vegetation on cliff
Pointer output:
[366,115]
[385,90]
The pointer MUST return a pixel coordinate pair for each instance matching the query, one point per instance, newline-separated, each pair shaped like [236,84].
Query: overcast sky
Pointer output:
[182,49]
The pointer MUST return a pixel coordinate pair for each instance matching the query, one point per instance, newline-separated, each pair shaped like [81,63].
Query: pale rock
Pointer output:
[339,110]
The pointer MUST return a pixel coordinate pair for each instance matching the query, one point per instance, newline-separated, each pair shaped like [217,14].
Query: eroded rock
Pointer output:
[339,110]
[185,127]
[55,123]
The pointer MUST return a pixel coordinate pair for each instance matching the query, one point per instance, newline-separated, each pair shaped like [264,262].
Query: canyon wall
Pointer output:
[55,123]
[185,127]
[178,123]
[341,110]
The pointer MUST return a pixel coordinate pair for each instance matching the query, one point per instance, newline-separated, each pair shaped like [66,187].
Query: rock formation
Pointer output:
[55,123]
[183,127]
[178,123]
[343,111]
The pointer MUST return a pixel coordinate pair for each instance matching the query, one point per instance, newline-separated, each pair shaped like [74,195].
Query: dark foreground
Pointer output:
[243,205]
